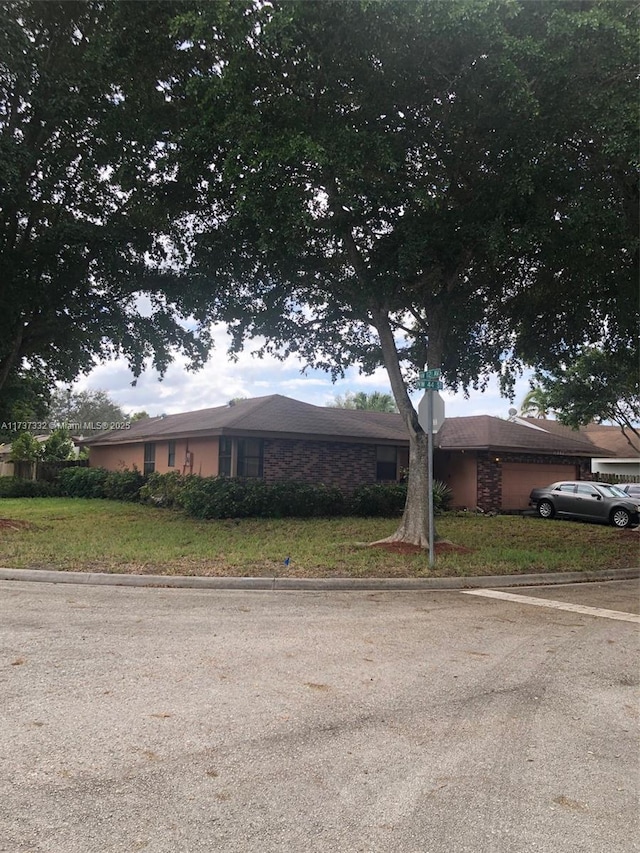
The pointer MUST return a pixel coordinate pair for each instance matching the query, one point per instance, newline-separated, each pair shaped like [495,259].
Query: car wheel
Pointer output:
[545,509]
[620,517]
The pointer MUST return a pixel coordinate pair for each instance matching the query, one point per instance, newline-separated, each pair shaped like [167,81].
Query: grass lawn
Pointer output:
[106,536]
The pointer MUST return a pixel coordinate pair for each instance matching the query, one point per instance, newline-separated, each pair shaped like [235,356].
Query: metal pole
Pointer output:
[430,473]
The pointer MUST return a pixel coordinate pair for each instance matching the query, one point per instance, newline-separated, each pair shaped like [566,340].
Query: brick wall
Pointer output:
[333,463]
[489,482]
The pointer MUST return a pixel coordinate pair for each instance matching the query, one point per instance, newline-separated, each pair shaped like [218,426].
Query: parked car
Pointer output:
[632,489]
[586,500]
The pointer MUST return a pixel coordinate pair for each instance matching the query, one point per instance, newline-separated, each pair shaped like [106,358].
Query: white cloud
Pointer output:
[222,379]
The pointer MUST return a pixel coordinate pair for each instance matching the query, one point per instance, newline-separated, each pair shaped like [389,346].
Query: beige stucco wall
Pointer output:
[117,457]
[205,455]
[459,472]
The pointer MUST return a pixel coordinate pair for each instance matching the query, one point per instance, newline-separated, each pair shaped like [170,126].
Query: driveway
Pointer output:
[190,721]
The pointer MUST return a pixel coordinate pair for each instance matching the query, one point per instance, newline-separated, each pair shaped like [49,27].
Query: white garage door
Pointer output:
[518,478]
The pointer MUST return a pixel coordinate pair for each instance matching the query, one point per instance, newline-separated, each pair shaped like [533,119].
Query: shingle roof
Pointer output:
[614,440]
[484,432]
[283,416]
[274,414]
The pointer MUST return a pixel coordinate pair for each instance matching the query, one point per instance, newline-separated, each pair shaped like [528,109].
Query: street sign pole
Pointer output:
[430,472]
[430,381]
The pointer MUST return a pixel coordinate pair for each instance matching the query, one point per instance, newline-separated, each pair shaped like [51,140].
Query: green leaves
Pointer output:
[85,223]
[598,385]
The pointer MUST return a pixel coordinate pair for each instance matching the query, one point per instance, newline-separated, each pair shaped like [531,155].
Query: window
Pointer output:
[386,462]
[240,457]
[171,455]
[250,457]
[149,457]
[224,456]
[391,462]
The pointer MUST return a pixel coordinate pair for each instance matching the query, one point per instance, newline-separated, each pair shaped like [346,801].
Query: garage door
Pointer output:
[518,478]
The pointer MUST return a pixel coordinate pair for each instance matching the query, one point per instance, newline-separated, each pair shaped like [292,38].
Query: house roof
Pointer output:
[274,414]
[603,436]
[484,432]
[612,438]
[282,416]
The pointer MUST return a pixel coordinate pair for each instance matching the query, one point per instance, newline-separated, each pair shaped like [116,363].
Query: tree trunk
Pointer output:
[414,527]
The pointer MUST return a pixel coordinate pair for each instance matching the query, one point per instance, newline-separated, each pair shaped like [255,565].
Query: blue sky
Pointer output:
[221,379]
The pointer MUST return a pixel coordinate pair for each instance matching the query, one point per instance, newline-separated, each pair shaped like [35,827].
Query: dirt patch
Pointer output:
[407,548]
[16,524]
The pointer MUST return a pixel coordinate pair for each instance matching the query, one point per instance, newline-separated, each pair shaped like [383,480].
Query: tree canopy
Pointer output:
[598,386]
[85,253]
[411,183]
[81,411]
[450,183]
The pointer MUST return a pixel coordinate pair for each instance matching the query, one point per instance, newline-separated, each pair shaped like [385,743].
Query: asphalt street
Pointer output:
[192,721]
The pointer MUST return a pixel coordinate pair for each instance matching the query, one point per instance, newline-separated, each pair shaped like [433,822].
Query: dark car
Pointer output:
[631,489]
[589,501]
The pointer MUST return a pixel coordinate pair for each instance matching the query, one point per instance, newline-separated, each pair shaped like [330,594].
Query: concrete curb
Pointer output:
[323,584]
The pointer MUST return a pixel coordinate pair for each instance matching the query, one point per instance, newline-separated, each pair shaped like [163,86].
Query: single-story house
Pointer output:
[623,449]
[488,462]
[24,470]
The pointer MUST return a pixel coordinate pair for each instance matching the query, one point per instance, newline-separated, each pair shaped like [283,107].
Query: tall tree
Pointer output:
[85,123]
[81,411]
[410,183]
[23,400]
[598,386]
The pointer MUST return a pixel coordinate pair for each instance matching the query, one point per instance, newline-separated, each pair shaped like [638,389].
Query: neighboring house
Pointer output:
[6,465]
[622,458]
[487,462]
[627,453]
[24,470]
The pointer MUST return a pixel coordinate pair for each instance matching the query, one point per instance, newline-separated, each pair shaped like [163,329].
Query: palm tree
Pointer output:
[535,403]
[374,402]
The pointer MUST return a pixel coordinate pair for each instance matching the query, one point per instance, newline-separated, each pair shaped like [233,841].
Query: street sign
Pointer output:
[429,375]
[431,385]
[438,412]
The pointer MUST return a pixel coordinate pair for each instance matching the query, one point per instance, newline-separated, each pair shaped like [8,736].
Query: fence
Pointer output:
[615,478]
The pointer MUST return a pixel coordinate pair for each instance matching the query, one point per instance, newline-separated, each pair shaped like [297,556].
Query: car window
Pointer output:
[612,491]
[587,490]
[566,487]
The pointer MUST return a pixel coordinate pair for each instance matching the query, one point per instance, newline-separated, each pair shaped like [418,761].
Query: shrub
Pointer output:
[25,448]
[13,487]
[83,482]
[442,496]
[123,485]
[293,499]
[224,497]
[209,497]
[58,447]
[163,489]
[379,500]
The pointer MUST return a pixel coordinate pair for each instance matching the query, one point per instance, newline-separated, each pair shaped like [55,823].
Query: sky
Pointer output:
[222,379]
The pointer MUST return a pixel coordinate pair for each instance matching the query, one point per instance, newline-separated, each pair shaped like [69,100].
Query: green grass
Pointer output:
[106,536]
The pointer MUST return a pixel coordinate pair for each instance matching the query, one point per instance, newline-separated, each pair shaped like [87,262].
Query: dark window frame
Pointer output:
[149,465]
[225,456]
[386,469]
[250,458]
[171,453]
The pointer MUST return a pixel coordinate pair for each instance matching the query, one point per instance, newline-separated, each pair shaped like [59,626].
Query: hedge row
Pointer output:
[222,497]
